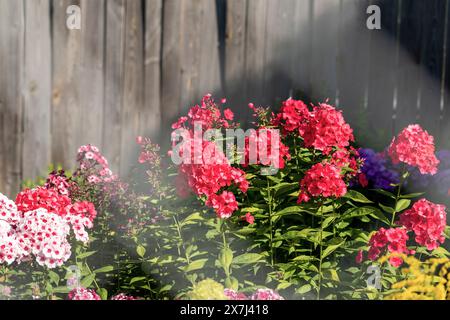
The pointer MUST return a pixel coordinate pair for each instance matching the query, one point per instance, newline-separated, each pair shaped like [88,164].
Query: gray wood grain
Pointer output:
[114,81]
[257,12]
[66,76]
[136,65]
[324,50]
[133,96]
[91,81]
[12,35]
[36,89]
[353,63]
[151,118]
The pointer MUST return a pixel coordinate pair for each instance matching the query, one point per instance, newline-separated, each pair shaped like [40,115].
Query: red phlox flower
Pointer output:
[292,117]
[322,180]
[326,128]
[427,220]
[392,240]
[415,147]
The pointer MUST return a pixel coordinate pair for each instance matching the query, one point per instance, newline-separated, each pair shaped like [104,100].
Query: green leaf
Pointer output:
[328,221]
[385,193]
[195,265]
[290,210]
[140,250]
[61,290]
[283,285]
[357,197]
[87,281]
[225,259]
[447,232]
[137,279]
[192,218]
[441,252]
[412,195]
[285,187]
[104,269]
[250,209]
[103,293]
[386,208]
[86,254]
[359,212]
[247,258]
[54,277]
[402,204]
[330,249]
[304,289]
[377,214]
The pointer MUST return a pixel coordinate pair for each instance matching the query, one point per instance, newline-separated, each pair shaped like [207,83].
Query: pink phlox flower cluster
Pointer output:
[123,296]
[292,117]
[234,295]
[57,180]
[83,294]
[260,294]
[415,147]
[260,148]
[91,160]
[266,294]
[206,173]
[208,115]
[326,128]
[8,210]
[393,240]
[40,197]
[427,220]
[322,180]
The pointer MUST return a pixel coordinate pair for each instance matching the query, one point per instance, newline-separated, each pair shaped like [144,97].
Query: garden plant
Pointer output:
[289,208]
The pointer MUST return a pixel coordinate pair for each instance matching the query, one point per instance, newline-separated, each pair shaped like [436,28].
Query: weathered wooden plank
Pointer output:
[91,81]
[36,89]
[353,64]
[257,12]
[324,50]
[208,65]
[382,80]
[190,66]
[301,40]
[114,81]
[12,33]
[66,76]
[444,135]
[171,63]
[11,100]
[433,18]
[151,117]
[279,50]
[235,55]
[133,99]
[408,76]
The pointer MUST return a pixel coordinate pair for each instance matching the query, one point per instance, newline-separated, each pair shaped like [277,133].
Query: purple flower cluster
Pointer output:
[378,169]
[381,173]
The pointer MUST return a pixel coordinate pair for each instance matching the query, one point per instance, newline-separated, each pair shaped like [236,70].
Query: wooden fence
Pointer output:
[137,64]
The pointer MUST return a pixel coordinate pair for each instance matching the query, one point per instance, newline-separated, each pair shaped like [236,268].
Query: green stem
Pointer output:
[224,237]
[225,246]
[272,255]
[181,241]
[296,153]
[397,197]
[46,278]
[91,273]
[320,246]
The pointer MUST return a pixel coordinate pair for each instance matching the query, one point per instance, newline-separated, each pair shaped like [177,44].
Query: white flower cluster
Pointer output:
[37,233]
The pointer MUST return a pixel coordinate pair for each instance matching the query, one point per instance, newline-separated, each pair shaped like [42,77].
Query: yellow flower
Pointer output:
[207,289]
[426,280]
